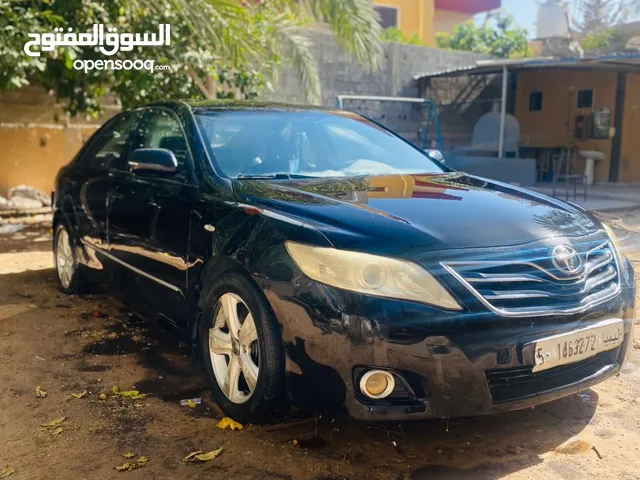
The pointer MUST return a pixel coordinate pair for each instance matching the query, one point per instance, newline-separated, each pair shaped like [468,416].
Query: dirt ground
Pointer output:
[71,344]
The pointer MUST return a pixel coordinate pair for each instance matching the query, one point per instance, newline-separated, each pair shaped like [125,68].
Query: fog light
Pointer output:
[377,384]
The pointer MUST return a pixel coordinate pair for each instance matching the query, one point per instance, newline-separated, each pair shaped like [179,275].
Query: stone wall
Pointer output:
[340,74]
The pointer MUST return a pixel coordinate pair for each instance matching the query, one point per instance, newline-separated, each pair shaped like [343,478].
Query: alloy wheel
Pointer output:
[64,259]
[234,349]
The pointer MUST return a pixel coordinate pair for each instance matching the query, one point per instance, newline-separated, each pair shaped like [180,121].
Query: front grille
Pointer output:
[532,285]
[509,384]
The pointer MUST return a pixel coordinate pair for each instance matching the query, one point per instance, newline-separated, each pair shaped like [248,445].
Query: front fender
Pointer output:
[248,240]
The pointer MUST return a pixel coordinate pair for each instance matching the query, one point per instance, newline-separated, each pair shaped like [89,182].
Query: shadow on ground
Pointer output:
[481,447]
[107,334]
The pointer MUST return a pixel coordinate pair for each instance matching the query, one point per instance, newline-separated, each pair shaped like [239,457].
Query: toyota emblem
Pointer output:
[566,259]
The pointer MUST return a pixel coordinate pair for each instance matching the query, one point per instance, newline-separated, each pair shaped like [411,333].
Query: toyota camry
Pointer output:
[313,258]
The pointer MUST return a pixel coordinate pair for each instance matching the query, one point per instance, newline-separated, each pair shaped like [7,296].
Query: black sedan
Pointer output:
[312,257]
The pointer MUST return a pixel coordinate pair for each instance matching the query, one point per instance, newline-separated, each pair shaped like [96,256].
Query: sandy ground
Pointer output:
[71,344]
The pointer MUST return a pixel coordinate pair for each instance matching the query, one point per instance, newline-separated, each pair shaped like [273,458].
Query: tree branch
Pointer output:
[201,86]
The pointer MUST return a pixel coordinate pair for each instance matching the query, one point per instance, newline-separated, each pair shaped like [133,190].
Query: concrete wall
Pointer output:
[34,141]
[340,74]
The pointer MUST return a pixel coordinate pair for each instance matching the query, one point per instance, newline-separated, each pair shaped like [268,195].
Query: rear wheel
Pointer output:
[242,351]
[66,262]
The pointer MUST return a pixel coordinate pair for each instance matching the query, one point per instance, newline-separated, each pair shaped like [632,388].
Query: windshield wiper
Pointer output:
[273,176]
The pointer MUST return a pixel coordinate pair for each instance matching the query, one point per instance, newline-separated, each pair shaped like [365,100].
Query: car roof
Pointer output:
[201,105]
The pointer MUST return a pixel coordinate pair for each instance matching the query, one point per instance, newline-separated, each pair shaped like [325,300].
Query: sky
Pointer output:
[525,13]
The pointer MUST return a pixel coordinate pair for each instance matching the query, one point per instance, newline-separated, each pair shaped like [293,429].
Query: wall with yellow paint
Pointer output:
[33,155]
[414,17]
[422,18]
[33,142]
[554,125]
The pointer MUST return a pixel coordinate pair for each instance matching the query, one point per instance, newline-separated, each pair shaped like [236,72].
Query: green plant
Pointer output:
[605,41]
[219,48]
[498,35]
[395,35]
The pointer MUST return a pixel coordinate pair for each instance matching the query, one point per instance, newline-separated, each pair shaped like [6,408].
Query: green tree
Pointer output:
[219,48]
[395,35]
[498,35]
[609,40]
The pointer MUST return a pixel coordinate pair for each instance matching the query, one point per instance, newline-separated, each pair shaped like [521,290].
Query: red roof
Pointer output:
[468,6]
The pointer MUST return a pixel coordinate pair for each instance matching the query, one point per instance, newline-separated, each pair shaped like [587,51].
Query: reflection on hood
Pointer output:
[415,212]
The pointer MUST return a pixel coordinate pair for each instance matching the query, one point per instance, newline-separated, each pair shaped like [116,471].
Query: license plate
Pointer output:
[578,345]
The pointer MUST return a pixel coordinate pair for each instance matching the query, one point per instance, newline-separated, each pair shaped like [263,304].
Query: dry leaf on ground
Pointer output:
[6,471]
[128,466]
[133,394]
[227,422]
[199,456]
[53,423]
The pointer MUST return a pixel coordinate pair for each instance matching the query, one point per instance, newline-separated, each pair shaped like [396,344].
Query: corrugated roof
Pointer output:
[487,67]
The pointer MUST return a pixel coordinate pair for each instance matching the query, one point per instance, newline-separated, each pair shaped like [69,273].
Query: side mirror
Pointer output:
[435,155]
[153,160]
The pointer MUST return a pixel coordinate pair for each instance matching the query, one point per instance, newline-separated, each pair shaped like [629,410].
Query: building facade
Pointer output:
[559,107]
[425,18]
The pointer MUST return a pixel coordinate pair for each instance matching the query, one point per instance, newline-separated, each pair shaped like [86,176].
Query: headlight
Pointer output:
[371,274]
[616,247]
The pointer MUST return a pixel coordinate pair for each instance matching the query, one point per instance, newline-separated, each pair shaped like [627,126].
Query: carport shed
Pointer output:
[584,103]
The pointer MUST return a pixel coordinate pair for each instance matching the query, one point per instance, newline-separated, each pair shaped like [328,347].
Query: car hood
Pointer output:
[407,214]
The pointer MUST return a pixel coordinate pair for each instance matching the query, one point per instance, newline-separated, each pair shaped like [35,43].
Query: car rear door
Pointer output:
[149,218]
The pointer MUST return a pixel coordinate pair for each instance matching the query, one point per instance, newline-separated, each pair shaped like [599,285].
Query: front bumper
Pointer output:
[449,364]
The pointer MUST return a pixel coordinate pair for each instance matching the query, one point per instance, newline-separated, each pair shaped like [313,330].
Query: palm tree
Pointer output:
[252,32]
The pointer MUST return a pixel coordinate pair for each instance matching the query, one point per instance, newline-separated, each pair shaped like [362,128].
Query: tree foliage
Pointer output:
[219,48]
[395,35]
[498,35]
[605,41]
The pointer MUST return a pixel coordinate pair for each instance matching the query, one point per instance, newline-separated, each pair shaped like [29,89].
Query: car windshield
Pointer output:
[284,143]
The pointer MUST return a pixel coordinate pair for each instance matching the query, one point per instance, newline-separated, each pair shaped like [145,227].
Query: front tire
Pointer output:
[242,351]
[68,269]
